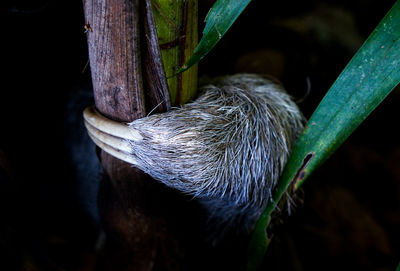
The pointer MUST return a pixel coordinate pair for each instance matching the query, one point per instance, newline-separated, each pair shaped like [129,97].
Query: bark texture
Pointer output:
[142,218]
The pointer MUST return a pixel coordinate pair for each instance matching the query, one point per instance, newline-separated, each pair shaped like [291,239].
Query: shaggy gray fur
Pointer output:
[227,148]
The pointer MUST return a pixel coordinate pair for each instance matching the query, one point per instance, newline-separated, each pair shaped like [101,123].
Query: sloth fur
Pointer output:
[227,148]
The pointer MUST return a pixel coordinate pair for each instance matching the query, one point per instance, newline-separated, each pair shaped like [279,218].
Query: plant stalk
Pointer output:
[176,23]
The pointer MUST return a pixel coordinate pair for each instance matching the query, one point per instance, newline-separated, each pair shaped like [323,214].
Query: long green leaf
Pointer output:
[219,19]
[368,78]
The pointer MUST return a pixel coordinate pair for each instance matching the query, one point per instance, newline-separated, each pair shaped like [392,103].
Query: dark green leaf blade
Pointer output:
[219,19]
[368,78]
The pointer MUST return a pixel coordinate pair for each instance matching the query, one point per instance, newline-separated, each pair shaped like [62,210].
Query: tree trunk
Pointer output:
[145,222]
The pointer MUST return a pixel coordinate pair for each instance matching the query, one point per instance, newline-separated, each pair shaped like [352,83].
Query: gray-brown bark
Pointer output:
[136,211]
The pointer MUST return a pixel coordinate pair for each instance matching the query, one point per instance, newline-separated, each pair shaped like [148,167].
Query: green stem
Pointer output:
[176,22]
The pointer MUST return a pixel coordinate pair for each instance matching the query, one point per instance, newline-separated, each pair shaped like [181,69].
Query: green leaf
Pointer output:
[219,19]
[368,78]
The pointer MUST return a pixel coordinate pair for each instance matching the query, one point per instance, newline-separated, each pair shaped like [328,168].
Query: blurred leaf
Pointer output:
[219,19]
[368,78]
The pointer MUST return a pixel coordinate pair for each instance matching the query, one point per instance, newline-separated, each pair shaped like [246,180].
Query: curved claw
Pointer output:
[117,129]
[111,136]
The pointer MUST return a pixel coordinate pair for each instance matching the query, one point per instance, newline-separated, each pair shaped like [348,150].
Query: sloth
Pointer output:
[227,148]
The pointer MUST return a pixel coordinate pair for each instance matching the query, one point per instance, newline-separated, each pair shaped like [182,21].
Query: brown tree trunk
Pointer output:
[144,220]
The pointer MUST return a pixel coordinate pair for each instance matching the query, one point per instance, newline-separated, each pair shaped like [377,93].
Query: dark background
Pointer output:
[347,216]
